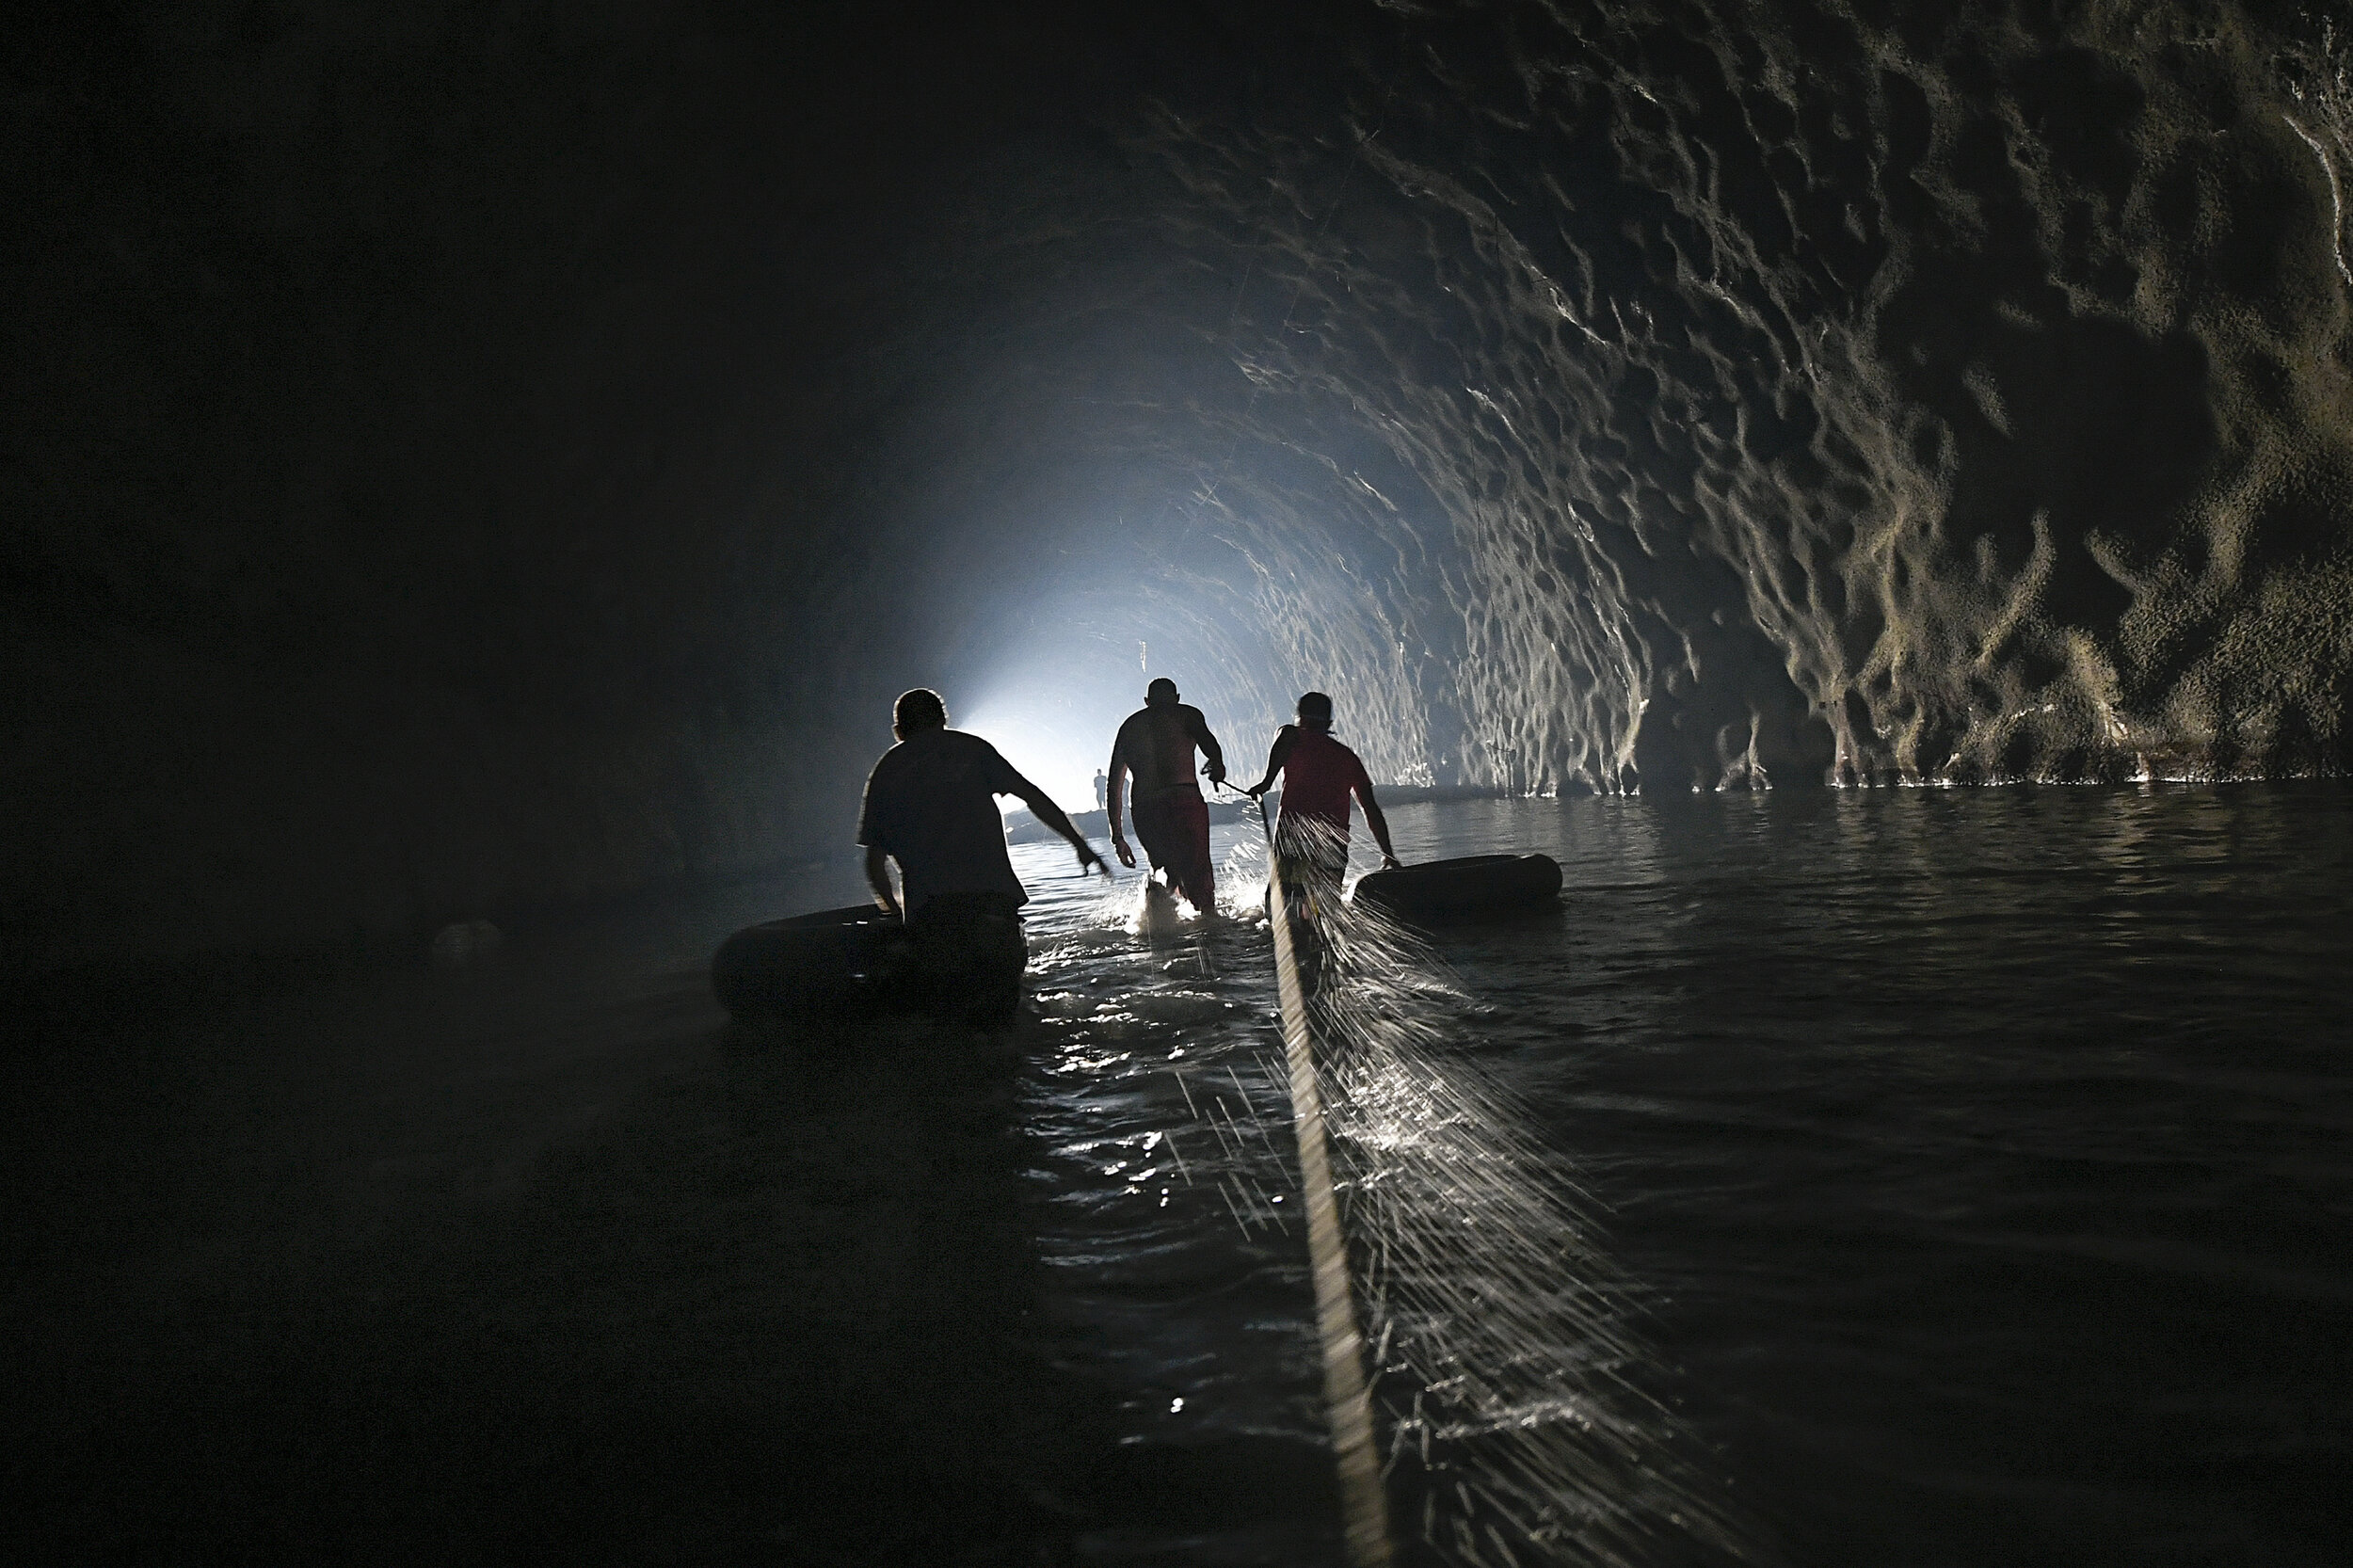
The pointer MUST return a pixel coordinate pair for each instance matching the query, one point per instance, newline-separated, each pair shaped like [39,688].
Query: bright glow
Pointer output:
[1050,686]
[1044,735]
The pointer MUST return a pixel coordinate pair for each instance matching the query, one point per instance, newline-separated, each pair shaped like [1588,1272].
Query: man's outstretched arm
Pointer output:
[1208,743]
[1374,820]
[1042,806]
[1116,778]
[1274,758]
[878,878]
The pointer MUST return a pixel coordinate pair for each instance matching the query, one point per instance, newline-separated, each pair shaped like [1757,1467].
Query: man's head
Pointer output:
[1160,694]
[917,710]
[1315,711]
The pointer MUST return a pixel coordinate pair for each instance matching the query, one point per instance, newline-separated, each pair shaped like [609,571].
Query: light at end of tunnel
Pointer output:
[1057,749]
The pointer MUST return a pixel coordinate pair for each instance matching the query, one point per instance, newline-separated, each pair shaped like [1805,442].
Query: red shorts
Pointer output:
[1175,831]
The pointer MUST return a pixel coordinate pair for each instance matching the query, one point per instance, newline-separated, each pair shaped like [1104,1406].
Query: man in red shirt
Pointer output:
[1319,775]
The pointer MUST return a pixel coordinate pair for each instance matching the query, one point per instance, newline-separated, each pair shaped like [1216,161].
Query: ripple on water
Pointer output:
[2013,1164]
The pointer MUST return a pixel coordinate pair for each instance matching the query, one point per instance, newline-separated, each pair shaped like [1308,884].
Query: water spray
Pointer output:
[1510,1361]
[1364,1507]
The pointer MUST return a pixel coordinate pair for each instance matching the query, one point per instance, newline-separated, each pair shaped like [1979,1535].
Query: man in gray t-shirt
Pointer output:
[931,806]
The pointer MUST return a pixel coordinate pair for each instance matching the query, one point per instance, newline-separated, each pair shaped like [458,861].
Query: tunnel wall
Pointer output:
[1811,394]
[454,489]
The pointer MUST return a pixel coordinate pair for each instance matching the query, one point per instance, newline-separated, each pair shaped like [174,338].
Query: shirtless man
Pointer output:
[1157,744]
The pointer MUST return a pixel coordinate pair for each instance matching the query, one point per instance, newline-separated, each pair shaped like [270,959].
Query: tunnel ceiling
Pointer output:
[533,439]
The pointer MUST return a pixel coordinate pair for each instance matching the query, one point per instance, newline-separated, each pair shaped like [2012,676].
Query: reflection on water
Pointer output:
[1915,1177]
[1521,1429]
[1856,1177]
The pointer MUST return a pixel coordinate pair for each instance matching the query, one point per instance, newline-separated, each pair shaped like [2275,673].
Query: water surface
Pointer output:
[1887,1178]
[1975,1162]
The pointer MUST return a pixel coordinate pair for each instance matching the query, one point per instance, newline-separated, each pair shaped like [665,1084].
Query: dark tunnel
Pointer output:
[475,456]
[478,473]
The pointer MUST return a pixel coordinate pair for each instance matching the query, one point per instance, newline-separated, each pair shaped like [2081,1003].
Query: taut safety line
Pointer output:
[1364,1509]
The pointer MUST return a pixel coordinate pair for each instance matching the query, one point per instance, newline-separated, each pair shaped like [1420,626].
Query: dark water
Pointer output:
[1976,1162]
[1964,1174]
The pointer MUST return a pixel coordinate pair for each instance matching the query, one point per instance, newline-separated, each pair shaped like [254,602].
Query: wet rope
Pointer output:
[1364,1508]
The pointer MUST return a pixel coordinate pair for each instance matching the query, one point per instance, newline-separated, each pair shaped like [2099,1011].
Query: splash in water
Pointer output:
[1516,1425]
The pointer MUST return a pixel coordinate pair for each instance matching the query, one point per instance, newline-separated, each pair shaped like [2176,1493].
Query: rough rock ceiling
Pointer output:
[487,453]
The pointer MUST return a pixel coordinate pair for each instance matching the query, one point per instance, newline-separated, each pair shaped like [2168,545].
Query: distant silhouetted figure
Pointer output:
[1319,775]
[931,806]
[1155,746]
[1099,782]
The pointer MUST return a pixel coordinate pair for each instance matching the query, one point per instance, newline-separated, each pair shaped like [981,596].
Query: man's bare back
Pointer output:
[1156,746]
[1157,743]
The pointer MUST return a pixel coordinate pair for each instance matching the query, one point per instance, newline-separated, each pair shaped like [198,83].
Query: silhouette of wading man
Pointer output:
[1318,776]
[931,806]
[1156,745]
